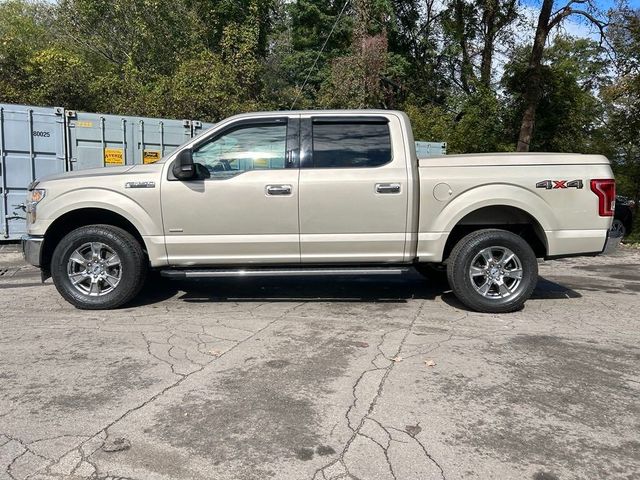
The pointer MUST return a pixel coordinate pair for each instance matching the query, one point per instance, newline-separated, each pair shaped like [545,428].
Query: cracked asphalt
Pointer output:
[316,378]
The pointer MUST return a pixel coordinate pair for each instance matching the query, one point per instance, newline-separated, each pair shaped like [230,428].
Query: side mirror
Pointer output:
[183,166]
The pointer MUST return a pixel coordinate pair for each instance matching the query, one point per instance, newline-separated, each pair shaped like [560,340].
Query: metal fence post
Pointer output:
[124,140]
[3,172]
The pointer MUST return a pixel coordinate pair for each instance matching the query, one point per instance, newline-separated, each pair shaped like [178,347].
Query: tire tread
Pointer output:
[120,296]
[456,273]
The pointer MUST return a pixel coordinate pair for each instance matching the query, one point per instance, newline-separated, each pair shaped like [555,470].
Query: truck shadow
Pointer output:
[548,289]
[545,290]
[387,289]
[391,289]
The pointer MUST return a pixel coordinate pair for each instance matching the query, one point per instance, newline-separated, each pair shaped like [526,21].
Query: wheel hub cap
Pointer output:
[496,272]
[94,269]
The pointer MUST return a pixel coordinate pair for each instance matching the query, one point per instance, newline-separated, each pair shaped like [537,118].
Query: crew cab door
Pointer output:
[353,189]
[247,211]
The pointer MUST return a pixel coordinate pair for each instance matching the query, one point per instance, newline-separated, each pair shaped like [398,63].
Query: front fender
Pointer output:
[142,217]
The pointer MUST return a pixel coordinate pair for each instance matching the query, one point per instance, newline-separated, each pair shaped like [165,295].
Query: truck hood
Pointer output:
[100,172]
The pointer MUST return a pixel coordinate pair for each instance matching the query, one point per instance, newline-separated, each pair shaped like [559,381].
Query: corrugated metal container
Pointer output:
[431,149]
[32,145]
[199,127]
[40,141]
[96,140]
[153,138]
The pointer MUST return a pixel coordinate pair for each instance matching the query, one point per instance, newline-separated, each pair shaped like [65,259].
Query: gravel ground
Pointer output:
[367,378]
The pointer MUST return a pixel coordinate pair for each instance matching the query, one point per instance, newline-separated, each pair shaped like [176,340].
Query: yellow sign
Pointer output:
[260,163]
[150,156]
[84,124]
[113,156]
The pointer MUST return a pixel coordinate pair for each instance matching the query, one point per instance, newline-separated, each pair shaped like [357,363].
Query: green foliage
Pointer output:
[569,113]
[622,103]
[23,32]
[634,237]
[209,88]
[59,78]
[478,126]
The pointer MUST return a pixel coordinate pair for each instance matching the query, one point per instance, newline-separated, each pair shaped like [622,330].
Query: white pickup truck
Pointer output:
[319,193]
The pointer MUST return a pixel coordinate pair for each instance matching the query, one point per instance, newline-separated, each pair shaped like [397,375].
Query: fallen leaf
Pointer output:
[430,363]
[116,445]
[413,430]
[215,353]
[397,359]
[361,344]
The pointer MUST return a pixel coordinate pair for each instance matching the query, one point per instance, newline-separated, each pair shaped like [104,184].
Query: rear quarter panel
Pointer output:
[452,187]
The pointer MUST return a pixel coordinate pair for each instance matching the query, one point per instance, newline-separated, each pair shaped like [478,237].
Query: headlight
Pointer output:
[33,198]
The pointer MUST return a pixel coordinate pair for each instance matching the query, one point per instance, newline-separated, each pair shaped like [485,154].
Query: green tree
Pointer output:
[356,78]
[551,16]
[24,30]
[59,77]
[568,113]
[471,31]
[622,101]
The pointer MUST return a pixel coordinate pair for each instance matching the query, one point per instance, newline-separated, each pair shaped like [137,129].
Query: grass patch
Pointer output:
[633,239]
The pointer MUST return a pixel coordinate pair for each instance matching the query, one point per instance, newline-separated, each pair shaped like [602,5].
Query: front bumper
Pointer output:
[32,249]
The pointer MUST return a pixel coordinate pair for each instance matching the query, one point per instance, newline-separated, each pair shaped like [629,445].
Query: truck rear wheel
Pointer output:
[98,267]
[492,271]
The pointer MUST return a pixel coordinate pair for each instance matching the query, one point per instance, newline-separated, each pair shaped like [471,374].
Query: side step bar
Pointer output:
[282,272]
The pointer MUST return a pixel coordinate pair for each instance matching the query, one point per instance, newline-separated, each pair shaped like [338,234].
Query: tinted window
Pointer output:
[246,148]
[350,144]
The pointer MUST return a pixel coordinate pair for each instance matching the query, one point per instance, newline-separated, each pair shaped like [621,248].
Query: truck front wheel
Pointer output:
[492,271]
[98,267]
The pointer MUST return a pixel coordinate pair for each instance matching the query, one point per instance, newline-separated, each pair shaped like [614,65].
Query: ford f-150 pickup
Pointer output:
[319,193]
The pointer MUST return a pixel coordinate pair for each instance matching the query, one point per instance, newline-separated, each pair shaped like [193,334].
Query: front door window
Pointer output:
[255,147]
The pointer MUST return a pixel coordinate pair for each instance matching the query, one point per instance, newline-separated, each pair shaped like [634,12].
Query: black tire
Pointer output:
[619,228]
[435,273]
[468,249]
[133,266]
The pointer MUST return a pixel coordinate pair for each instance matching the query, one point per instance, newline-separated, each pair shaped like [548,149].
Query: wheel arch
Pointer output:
[501,216]
[81,217]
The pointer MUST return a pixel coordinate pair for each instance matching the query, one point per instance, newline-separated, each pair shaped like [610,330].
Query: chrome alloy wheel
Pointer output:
[496,272]
[94,269]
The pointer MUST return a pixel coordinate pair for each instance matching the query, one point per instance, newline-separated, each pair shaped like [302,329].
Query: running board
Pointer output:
[282,272]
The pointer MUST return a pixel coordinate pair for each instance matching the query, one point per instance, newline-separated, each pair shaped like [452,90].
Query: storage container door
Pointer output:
[100,140]
[31,146]
[154,138]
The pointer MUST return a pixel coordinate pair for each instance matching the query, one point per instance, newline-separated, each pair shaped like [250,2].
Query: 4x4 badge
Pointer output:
[553,184]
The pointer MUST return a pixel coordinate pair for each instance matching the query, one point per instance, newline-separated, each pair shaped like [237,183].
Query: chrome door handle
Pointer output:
[278,189]
[387,188]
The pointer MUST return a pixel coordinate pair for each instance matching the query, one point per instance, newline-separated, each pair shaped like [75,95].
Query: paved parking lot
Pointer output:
[324,378]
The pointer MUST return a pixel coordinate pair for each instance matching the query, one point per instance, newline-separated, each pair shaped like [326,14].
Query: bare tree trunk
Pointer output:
[487,61]
[466,68]
[489,22]
[534,78]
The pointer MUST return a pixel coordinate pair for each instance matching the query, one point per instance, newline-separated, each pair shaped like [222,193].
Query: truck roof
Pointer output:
[320,112]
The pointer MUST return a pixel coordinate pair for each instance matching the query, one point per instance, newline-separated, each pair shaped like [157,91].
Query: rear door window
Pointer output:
[351,144]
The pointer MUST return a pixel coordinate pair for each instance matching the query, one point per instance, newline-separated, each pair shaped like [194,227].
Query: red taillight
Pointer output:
[605,189]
